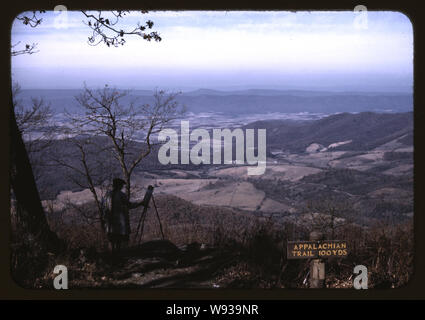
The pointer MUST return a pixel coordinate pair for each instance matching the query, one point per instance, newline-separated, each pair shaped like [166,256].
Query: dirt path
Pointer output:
[158,264]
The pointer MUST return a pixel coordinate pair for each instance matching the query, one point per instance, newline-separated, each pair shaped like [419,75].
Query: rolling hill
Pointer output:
[365,130]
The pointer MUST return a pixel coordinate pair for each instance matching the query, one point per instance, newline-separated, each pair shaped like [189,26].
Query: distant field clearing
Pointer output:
[281,172]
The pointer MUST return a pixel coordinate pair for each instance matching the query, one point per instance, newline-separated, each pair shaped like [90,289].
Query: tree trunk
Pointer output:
[25,189]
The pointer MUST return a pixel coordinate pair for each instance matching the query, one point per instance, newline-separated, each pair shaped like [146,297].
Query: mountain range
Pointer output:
[254,101]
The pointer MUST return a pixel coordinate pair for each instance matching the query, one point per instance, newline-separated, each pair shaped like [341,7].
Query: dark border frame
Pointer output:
[415,289]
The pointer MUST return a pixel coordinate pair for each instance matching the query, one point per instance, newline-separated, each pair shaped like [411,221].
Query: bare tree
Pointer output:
[28,203]
[89,167]
[107,116]
[329,214]
[104,136]
[17,50]
[106,28]
[33,120]
[31,19]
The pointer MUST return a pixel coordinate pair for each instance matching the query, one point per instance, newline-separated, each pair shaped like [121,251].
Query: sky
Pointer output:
[332,51]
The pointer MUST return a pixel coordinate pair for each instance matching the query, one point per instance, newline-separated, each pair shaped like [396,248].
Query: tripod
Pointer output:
[141,224]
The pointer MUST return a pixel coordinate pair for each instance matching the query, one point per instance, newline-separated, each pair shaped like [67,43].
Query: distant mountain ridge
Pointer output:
[253,101]
[276,92]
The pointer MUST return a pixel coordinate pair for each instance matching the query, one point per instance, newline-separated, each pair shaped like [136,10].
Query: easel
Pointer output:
[141,224]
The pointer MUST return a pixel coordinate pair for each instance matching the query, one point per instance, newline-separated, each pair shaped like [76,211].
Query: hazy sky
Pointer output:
[225,50]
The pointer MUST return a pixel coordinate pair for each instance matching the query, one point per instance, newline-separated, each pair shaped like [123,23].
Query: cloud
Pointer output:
[210,41]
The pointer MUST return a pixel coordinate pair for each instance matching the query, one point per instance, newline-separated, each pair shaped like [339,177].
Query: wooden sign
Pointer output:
[316,249]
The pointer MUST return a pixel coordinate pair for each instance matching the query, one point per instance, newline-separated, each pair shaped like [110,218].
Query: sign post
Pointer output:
[317,273]
[316,249]
[317,266]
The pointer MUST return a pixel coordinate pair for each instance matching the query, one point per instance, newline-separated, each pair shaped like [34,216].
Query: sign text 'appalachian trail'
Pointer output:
[316,249]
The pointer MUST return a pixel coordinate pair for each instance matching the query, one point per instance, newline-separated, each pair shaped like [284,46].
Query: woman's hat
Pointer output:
[118,182]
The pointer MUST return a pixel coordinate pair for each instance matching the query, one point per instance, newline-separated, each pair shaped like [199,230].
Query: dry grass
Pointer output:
[258,247]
